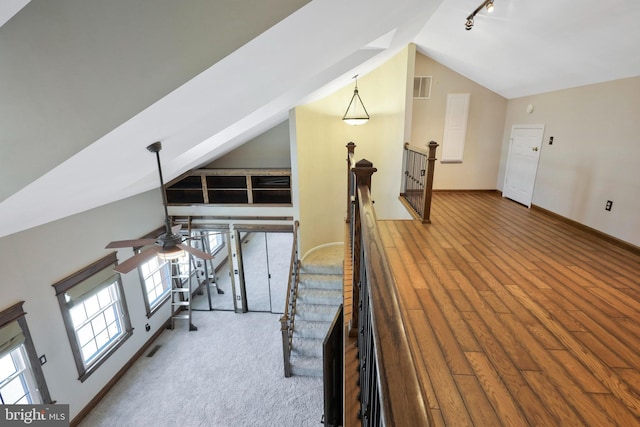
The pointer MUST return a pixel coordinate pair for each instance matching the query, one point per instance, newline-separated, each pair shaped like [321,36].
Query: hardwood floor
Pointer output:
[516,318]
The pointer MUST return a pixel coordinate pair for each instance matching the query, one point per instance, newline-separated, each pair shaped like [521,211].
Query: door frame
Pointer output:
[506,170]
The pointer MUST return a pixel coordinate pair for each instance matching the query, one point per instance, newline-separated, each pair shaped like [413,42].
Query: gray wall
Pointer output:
[34,259]
[77,62]
[268,150]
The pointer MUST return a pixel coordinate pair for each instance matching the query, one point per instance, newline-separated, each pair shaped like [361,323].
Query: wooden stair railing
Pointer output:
[390,394]
[419,166]
[287,321]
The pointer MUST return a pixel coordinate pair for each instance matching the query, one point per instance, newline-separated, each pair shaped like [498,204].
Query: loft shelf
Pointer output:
[231,187]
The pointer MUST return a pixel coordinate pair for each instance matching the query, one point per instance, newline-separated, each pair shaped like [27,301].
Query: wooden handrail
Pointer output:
[390,394]
[287,320]
[292,263]
[400,394]
[415,148]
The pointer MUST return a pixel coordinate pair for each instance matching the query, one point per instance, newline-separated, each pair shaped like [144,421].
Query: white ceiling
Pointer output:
[522,48]
[530,47]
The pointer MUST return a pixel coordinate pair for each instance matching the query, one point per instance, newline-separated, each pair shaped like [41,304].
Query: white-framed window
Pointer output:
[155,276]
[216,242]
[95,313]
[97,321]
[17,383]
[21,378]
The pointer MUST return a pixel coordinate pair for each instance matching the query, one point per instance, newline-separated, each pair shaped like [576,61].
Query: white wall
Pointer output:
[320,140]
[594,157]
[34,259]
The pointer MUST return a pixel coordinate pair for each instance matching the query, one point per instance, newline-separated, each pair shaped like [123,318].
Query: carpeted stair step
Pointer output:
[320,292]
[307,347]
[321,281]
[320,296]
[306,366]
[315,312]
[325,259]
[310,329]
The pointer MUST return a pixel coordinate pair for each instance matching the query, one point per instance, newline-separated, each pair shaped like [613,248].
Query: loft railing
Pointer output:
[419,165]
[390,394]
[287,321]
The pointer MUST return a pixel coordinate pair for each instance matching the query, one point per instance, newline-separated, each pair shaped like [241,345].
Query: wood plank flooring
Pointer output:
[516,318]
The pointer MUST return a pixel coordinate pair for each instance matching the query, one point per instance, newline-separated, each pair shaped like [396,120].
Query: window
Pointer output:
[216,242]
[21,378]
[155,276]
[95,313]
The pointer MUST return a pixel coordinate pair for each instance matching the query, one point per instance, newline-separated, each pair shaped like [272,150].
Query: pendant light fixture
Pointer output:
[356,113]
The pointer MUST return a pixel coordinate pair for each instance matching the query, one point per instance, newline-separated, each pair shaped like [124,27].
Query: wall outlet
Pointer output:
[43,359]
[550,140]
[608,206]
[147,327]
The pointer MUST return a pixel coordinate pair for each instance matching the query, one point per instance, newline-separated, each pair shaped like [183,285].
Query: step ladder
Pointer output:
[205,272]
[181,276]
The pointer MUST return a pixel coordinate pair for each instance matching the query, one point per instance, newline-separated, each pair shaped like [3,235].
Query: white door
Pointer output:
[522,162]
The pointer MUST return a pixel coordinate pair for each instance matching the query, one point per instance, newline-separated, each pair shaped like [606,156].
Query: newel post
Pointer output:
[351,148]
[428,188]
[362,172]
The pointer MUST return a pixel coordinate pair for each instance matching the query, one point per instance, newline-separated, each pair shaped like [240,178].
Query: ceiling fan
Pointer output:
[168,246]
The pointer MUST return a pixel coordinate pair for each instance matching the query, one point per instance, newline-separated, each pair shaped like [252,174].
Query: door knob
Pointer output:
[535,148]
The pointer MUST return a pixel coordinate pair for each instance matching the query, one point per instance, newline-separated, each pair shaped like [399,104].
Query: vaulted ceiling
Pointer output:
[86,85]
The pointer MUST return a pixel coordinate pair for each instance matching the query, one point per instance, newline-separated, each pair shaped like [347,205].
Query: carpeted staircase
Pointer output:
[319,296]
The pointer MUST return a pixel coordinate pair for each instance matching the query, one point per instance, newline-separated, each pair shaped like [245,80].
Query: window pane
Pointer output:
[110,314]
[24,401]
[85,334]
[99,324]
[78,315]
[91,305]
[144,269]
[13,391]
[7,367]
[102,338]
[114,329]
[89,350]
[104,296]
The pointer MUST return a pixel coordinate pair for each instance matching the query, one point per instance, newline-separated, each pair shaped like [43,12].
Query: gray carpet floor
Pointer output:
[228,373]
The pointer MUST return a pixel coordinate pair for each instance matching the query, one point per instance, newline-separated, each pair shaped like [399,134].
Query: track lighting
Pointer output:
[490,7]
[469,24]
[488,4]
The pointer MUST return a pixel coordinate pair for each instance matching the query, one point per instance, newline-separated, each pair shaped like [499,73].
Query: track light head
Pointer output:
[469,24]
[490,6]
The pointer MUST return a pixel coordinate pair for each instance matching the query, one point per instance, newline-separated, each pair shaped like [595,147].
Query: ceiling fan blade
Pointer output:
[130,243]
[195,252]
[137,260]
[176,228]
